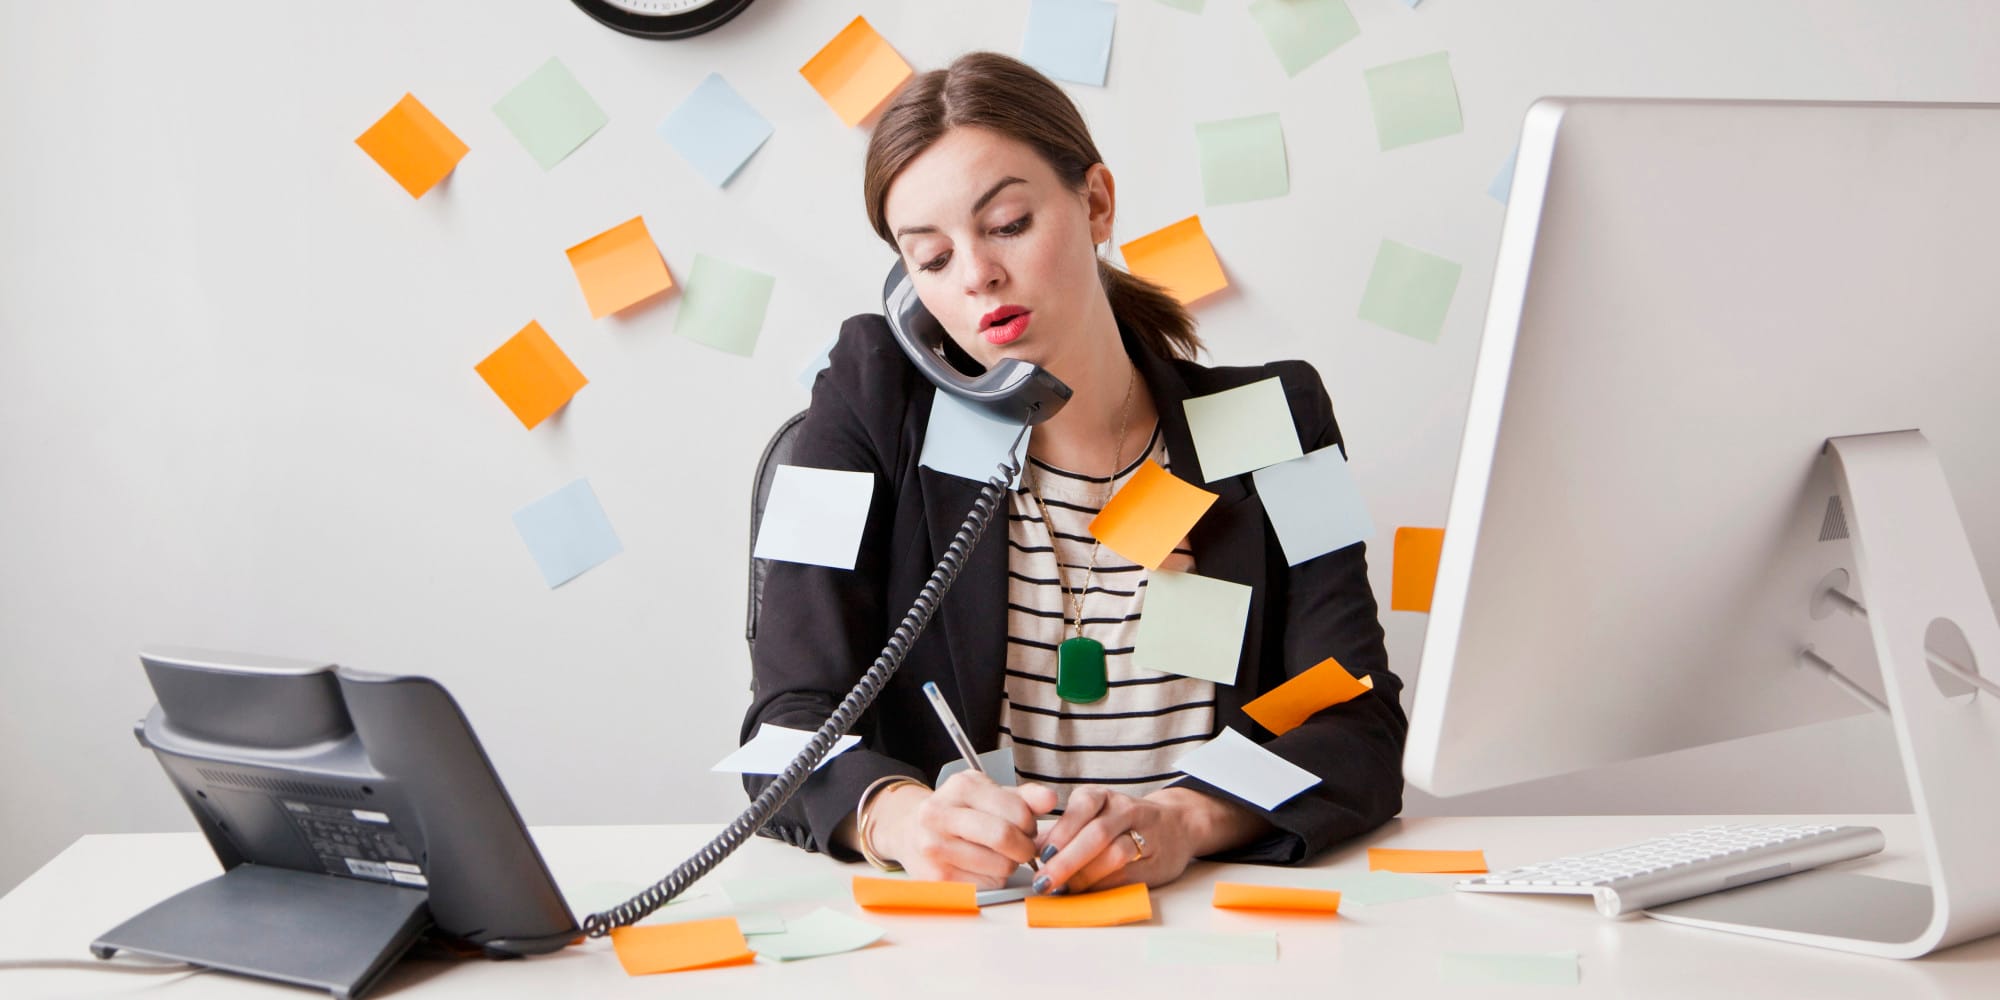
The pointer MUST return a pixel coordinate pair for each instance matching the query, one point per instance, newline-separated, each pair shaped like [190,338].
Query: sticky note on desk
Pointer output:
[1377,888]
[821,932]
[1070,39]
[1301,32]
[1324,685]
[1414,100]
[1242,429]
[1242,159]
[774,747]
[550,113]
[619,267]
[1127,904]
[567,533]
[1240,896]
[692,944]
[961,440]
[724,305]
[1235,764]
[750,892]
[414,147]
[531,375]
[998,764]
[1416,571]
[856,72]
[1409,291]
[1178,258]
[1557,968]
[1193,626]
[1315,504]
[1409,861]
[915,894]
[815,516]
[715,130]
[1150,515]
[1172,947]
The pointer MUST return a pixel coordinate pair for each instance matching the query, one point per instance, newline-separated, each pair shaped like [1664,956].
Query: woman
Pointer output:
[985,181]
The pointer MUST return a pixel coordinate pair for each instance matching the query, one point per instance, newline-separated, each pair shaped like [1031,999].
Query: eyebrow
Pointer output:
[976,206]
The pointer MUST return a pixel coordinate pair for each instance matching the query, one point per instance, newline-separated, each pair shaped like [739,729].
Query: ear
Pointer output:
[1100,196]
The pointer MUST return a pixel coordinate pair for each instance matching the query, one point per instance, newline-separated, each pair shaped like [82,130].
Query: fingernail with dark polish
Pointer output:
[1059,891]
[1048,852]
[1041,884]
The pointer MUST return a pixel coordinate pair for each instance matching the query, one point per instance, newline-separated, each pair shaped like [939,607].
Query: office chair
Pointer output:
[776,453]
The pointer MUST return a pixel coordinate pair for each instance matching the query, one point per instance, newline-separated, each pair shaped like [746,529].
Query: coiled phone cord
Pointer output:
[779,791]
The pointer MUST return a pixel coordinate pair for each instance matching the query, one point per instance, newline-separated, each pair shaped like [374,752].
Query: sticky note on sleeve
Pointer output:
[1417,551]
[856,72]
[1150,515]
[619,267]
[815,516]
[1127,904]
[1242,768]
[915,894]
[1325,685]
[1315,504]
[1239,896]
[531,375]
[1411,862]
[414,147]
[1178,258]
[677,947]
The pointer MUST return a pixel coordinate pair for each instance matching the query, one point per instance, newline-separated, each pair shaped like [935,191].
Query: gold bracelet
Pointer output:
[864,818]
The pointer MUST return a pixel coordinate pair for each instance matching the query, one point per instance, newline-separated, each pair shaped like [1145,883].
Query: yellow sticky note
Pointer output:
[1127,904]
[1389,859]
[915,894]
[413,146]
[1178,259]
[531,375]
[1150,514]
[619,267]
[1238,896]
[677,947]
[1416,568]
[1282,708]
[856,72]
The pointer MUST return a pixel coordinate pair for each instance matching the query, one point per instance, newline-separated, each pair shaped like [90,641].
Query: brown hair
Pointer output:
[993,91]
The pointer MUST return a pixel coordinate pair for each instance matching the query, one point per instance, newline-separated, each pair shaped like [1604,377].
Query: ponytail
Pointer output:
[1157,318]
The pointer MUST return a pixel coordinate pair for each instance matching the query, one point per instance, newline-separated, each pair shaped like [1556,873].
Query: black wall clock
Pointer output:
[662,18]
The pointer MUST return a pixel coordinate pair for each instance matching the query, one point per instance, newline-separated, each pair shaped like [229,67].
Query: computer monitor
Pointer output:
[351,812]
[1651,540]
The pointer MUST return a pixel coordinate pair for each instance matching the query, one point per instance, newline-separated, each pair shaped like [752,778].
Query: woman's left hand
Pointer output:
[1096,848]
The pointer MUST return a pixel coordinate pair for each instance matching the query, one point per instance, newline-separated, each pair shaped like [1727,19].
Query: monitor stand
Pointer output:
[310,929]
[1915,567]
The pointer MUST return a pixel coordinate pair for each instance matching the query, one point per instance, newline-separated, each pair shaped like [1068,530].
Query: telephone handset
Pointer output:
[1015,391]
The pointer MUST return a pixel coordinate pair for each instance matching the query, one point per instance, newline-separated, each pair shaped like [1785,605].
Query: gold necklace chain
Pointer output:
[1075,597]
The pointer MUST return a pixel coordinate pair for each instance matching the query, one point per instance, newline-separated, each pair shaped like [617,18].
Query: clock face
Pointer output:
[662,18]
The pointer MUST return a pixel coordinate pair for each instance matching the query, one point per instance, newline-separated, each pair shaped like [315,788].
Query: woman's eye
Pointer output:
[935,262]
[1014,228]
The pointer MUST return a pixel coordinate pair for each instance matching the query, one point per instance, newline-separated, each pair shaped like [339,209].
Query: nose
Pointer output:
[983,272]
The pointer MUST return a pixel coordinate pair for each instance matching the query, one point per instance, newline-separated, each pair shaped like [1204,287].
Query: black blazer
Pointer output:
[820,628]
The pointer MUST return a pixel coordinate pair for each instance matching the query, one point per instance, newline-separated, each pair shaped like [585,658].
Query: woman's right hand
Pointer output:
[968,830]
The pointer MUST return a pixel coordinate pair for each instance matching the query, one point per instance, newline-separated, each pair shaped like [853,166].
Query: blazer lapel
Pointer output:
[973,613]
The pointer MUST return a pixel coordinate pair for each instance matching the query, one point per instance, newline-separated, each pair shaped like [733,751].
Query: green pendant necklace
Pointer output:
[1080,674]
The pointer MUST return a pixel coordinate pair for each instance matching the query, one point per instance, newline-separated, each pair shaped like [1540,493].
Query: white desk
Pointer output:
[1387,950]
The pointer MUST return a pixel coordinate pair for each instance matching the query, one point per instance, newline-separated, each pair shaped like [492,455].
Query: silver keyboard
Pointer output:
[1684,865]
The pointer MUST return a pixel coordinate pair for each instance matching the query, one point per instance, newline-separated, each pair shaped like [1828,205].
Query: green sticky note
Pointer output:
[1376,888]
[597,897]
[1414,100]
[1206,948]
[821,932]
[758,892]
[550,113]
[1192,626]
[1242,429]
[1409,291]
[723,305]
[1242,159]
[1193,6]
[1556,968]
[753,924]
[1302,31]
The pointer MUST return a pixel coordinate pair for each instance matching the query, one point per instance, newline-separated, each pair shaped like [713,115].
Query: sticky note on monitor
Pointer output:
[723,305]
[1302,32]
[1414,100]
[1070,39]
[815,516]
[774,747]
[856,72]
[1242,768]
[1275,898]
[715,130]
[567,533]
[550,113]
[1192,626]
[1242,429]
[1242,159]
[678,947]
[1415,578]
[411,145]
[1182,947]
[1322,686]
[1179,259]
[1150,515]
[821,932]
[1409,291]
[619,268]
[961,440]
[1314,504]
[1411,861]
[1127,904]
[531,375]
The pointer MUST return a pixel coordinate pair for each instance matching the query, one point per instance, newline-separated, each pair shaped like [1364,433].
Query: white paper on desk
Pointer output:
[774,747]
[815,516]
[1237,765]
[964,442]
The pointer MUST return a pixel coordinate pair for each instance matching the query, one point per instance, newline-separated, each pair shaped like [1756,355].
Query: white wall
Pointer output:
[237,405]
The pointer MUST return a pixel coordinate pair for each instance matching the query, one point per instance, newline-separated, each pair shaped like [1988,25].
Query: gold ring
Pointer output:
[1138,845]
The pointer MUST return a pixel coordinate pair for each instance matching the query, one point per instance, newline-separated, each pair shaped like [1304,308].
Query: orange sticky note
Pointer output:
[1282,708]
[856,72]
[1389,859]
[619,267]
[1127,904]
[1178,259]
[1150,514]
[413,146]
[1416,568]
[531,375]
[690,944]
[915,894]
[1238,896]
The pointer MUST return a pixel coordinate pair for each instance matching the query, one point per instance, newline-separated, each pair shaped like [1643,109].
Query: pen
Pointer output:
[959,738]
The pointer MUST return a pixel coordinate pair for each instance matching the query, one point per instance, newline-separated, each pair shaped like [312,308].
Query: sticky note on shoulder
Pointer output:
[1150,515]
[678,947]
[531,375]
[1325,685]
[815,516]
[1417,552]
[915,894]
[1242,429]
[1412,862]
[856,72]
[414,147]
[1127,904]
[1276,898]
[1178,258]
[619,268]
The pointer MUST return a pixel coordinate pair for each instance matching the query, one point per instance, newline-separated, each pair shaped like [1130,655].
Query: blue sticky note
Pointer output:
[567,532]
[716,130]
[820,362]
[1503,182]
[1314,504]
[1070,39]
[965,442]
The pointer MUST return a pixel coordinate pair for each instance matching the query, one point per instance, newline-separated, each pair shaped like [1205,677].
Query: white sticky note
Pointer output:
[1192,625]
[998,765]
[773,748]
[965,442]
[815,516]
[1242,429]
[1235,764]
[1314,504]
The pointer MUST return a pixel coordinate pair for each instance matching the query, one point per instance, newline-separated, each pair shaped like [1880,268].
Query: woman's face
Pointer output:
[1001,250]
